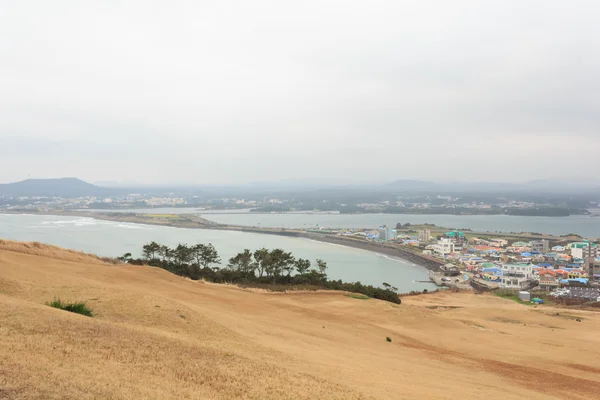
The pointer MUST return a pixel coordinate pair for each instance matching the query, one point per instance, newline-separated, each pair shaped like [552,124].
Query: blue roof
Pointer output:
[545,265]
[580,280]
[494,270]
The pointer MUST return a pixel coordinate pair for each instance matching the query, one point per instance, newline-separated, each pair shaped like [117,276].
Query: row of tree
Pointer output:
[200,254]
[262,266]
[273,263]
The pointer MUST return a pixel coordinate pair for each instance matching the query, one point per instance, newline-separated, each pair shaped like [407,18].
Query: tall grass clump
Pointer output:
[77,308]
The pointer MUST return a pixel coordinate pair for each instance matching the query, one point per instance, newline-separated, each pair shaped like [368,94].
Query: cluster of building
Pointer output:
[517,265]
[91,202]
[521,265]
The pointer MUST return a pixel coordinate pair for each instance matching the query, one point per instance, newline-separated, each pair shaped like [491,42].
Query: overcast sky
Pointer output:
[327,91]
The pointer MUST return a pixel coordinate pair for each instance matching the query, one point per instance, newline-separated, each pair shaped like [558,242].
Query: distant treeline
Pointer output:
[534,211]
[537,211]
[261,268]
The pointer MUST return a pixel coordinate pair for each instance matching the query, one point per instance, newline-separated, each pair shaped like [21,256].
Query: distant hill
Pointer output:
[63,187]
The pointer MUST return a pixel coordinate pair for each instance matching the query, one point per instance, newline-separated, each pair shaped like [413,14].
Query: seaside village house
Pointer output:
[539,246]
[424,235]
[593,268]
[448,244]
[492,273]
[444,247]
[516,276]
[549,279]
[498,242]
[582,250]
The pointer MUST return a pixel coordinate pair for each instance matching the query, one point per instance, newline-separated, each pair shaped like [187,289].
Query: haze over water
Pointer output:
[107,238]
[113,239]
[583,225]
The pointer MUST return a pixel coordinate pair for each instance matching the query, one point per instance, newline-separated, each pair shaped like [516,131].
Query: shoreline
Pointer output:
[588,212]
[195,222]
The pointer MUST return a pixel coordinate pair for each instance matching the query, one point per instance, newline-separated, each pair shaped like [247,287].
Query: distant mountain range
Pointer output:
[63,187]
[73,187]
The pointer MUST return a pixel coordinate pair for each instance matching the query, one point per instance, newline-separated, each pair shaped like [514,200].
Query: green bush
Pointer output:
[389,339]
[358,296]
[77,308]
[273,270]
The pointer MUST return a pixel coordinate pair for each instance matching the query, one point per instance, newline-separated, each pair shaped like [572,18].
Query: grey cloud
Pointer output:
[224,92]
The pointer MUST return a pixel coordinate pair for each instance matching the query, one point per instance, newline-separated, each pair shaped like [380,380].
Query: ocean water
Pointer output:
[584,225]
[107,238]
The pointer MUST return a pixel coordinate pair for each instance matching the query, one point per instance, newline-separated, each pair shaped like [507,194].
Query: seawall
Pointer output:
[430,263]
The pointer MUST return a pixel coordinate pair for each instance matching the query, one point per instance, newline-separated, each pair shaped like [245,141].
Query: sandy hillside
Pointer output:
[158,336]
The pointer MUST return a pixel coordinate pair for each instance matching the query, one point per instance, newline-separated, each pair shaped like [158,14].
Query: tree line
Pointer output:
[260,267]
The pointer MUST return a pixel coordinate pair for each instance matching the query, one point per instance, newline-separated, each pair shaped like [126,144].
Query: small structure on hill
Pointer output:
[524,296]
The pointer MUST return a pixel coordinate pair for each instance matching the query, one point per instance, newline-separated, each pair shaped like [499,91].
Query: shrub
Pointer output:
[389,339]
[358,296]
[77,308]
[312,279]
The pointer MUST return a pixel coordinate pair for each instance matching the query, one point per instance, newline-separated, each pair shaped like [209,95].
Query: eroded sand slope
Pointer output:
[158,336]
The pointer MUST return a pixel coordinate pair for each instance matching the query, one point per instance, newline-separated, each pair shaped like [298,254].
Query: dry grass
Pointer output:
[158,336]
[49,251]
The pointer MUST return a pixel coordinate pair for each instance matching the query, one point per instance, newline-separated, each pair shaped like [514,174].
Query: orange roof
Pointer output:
[561,271]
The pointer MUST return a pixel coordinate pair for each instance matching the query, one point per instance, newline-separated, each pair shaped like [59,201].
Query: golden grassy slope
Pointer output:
[46,250]
[158,336]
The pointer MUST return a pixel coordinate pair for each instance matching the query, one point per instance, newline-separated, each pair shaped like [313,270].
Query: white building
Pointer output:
[581,250]
[384,233]
[577,252]
[515,276]
[443,247]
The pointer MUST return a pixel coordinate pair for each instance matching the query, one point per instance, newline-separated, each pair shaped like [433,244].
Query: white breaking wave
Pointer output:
[132,226]
[392,258]
[337,245]
[75,222]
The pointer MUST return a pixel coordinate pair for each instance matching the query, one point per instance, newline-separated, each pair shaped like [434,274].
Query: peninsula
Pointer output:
[193,221]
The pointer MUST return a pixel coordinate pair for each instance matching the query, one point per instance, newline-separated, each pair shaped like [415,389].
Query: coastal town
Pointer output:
[567,269]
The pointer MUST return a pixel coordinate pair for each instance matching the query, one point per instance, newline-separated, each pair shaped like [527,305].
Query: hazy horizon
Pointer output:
[395,184]
[325,92]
